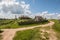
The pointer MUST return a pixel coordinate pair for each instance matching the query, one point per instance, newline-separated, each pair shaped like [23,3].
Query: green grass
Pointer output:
[10,25]
[56,27]
[14,24]
[27,35]
[32,34]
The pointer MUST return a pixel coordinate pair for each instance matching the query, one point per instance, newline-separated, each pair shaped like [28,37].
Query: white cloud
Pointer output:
[48,15]
[45,12]
[11,7]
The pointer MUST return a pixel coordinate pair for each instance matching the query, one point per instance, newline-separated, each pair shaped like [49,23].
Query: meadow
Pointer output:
[35,34]
[56,27]
[32,34]
[18,23]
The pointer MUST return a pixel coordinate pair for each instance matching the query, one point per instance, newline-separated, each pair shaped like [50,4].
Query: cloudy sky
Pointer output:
[45,8]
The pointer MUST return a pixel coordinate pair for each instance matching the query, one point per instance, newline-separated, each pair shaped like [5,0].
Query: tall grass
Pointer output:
[56,27]
[27,35]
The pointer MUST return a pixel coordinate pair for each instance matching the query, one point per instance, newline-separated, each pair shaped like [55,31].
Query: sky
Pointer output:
[44,5]
[45,8]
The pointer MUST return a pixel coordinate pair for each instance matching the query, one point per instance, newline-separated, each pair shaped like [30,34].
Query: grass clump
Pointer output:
[1,31]
[56,26]
[28,35]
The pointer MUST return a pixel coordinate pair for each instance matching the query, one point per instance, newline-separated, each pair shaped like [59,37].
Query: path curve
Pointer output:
[8,34]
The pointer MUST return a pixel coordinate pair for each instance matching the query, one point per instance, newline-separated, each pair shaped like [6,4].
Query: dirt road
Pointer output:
[8,34]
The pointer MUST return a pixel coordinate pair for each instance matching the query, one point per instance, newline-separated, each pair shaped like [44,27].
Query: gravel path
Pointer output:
[8,34]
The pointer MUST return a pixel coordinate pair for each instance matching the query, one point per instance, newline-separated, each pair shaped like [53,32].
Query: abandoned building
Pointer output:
[38,18]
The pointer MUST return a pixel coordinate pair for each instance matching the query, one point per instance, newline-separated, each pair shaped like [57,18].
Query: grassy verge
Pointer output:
[32,34]
[56,27]
[0,37]
[27,35]
[1,34]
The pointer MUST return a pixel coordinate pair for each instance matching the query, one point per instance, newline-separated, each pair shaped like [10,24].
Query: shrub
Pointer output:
[31,22]
[4,23]
[1,31]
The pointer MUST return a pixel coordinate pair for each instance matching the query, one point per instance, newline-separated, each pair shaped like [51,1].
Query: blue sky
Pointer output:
[52,6]
[46,8]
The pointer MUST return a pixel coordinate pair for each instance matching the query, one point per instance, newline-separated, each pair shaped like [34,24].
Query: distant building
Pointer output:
[38,18]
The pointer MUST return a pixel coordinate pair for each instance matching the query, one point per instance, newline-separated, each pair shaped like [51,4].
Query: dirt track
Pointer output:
[8,34]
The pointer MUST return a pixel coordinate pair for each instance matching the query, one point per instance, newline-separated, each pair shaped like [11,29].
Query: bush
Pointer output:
[31,22]
[4,23]
[1,31]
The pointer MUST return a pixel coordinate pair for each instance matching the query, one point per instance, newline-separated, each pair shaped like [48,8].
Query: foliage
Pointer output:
[12,23]
[31,22]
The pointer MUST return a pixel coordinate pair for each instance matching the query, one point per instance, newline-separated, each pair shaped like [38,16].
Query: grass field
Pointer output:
[14,24]
[56,27]
[32,34]
[8,25]
[35,34]
[27,35]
